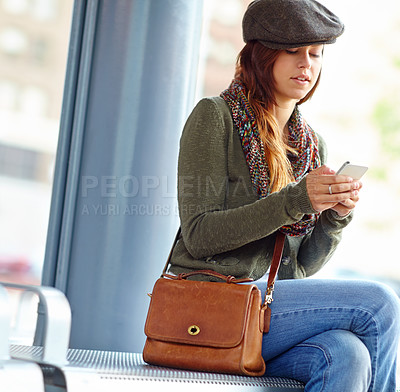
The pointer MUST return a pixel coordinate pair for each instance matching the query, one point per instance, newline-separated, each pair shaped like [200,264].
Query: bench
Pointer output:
[15,375]
[76,370]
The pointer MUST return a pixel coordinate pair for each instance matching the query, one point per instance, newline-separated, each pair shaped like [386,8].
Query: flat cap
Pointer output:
[282,24]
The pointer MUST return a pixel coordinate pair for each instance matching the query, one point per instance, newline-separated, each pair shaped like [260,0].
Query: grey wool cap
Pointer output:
[282,24]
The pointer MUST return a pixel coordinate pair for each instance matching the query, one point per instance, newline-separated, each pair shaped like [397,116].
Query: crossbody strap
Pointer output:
[276,261]
[170,253]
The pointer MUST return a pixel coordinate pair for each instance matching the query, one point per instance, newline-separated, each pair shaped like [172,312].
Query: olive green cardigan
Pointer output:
[225,227]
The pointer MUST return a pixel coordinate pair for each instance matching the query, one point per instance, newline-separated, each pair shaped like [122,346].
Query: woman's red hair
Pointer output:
[254,67]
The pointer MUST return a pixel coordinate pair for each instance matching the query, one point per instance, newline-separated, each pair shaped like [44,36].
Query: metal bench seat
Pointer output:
[76,370]
[94,370]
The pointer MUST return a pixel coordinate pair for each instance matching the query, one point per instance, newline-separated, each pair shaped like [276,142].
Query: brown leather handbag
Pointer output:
[209,326]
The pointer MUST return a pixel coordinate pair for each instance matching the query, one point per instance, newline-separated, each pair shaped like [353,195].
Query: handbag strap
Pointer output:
[226,278]
[276,262]
[170,253]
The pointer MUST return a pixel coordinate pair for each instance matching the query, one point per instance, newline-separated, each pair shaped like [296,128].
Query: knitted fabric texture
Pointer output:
[301,137]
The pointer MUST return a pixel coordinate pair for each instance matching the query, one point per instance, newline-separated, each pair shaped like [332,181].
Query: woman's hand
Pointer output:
[327,190]
[345,207]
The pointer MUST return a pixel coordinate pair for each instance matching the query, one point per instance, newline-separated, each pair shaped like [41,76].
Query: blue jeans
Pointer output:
[333,335]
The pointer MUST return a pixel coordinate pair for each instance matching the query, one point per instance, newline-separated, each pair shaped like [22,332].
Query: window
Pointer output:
[32,71]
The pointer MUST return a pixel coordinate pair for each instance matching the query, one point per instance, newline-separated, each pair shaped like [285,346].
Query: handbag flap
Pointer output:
[199,313]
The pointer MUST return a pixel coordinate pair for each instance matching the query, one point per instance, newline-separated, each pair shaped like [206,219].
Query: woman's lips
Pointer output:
[302,79]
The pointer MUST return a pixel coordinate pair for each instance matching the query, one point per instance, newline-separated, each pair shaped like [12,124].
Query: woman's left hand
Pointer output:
[326,190]
[345,207]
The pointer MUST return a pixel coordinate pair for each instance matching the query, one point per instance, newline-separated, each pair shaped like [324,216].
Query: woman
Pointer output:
[250,165]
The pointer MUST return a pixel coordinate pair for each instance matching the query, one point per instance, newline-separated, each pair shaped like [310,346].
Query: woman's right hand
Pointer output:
[326,189]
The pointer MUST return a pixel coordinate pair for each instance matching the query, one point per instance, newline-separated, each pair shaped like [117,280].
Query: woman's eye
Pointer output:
[291,51]
[316,55]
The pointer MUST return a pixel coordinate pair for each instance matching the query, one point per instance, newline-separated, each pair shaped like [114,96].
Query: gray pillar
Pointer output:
[129,88]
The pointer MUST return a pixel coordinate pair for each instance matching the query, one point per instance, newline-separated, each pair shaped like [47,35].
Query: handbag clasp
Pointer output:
[268,295]
[194,330]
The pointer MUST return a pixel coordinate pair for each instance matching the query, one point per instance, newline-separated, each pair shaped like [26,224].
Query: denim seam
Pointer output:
[327,358]
[275,313]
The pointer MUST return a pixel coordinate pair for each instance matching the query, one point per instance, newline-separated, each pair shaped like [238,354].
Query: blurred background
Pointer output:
[355,109]
[34,36]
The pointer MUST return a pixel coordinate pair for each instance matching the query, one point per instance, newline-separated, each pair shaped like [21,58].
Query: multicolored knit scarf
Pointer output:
[301,137]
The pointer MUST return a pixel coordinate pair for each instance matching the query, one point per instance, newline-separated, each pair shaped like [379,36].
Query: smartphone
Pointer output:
[353,171]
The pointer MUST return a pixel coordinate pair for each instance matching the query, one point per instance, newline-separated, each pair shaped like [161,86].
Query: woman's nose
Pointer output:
[305,62]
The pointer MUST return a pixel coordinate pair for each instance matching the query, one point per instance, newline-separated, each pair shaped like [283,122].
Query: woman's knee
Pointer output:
[385,306]
[389,300]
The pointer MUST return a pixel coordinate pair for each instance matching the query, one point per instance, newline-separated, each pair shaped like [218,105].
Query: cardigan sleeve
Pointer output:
[208,226]
[318,246]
